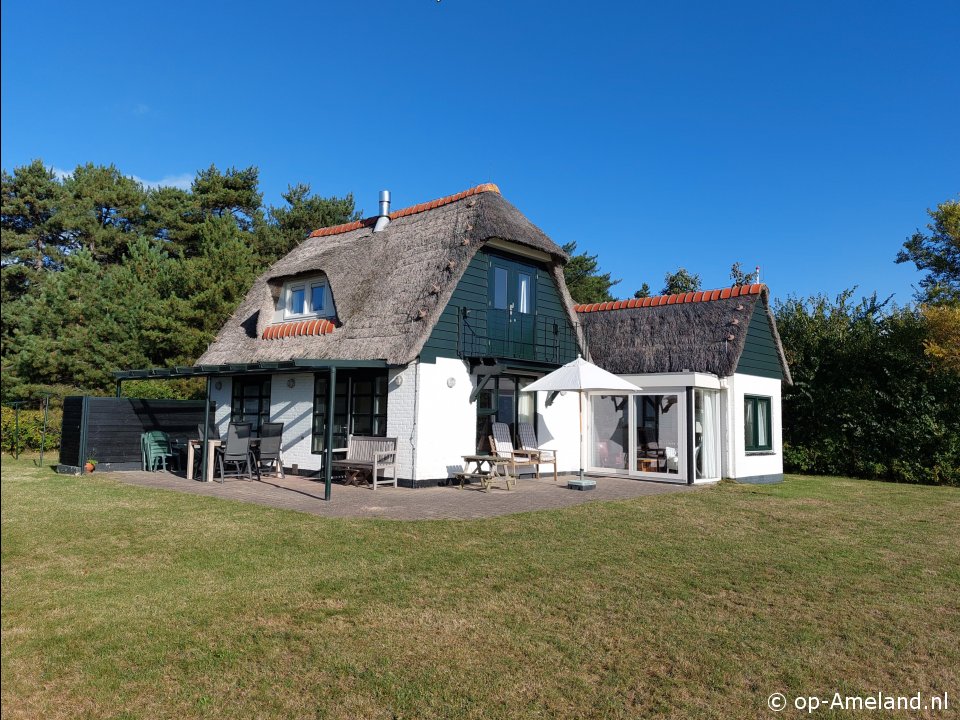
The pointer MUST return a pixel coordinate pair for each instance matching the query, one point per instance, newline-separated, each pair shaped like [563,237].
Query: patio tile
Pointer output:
[435,503]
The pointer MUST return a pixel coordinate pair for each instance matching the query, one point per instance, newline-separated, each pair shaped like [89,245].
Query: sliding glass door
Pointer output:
[658,434]
[609,436]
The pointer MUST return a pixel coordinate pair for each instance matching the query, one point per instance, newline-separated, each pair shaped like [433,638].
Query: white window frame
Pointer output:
[308,287]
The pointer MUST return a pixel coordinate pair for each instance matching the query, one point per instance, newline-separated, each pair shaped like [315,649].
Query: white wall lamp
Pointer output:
[451,382]
[291,383]
[218,385]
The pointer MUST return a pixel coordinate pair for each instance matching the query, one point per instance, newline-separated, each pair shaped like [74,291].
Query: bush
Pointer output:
[31,429]
[867,400]
[181,389]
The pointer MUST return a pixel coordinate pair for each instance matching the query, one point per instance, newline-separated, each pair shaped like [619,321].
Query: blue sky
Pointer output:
[806,137]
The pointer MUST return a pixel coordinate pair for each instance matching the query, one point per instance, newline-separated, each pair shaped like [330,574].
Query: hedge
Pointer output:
[31,429]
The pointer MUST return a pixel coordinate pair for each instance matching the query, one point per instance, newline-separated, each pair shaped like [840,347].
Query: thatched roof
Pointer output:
[697,332]
[389,288]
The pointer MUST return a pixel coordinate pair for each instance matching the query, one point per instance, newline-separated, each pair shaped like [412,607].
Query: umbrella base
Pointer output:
[582,484]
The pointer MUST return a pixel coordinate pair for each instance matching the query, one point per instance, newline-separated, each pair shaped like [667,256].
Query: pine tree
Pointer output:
[583,277]
[682,281]
[102,211]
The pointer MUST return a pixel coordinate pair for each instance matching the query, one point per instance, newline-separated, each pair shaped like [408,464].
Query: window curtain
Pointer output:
[763,424]
[709,460]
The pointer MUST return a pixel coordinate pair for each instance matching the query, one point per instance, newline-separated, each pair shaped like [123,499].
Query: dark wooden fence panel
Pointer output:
[70,437]
[109,429]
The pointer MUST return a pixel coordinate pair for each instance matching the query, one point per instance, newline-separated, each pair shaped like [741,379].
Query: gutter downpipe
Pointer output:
[416,417]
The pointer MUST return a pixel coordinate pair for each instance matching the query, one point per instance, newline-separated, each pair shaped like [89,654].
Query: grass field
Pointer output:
[124,602]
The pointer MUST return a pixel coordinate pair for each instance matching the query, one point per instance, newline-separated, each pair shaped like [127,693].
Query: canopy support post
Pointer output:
[328,435]
[205,438]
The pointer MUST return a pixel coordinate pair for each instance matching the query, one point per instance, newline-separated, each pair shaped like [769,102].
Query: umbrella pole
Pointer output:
[580,401]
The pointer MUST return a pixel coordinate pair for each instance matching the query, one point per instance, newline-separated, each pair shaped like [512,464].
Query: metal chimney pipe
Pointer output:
[384,218]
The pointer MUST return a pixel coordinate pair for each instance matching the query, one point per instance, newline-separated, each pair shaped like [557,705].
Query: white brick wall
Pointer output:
[222,397]
[294,408]
[401,406]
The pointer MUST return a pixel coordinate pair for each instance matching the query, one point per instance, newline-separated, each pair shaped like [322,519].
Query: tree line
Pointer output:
[100,272]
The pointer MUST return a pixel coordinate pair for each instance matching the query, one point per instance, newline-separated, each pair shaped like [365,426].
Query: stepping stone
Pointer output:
[579,484]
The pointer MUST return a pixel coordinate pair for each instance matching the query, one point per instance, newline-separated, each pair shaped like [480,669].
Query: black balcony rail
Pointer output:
[514,335]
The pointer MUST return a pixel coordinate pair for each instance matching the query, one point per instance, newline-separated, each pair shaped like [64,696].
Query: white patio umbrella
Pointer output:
[581,376]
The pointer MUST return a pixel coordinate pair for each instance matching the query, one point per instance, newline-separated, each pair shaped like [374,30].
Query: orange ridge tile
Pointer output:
[298,328]
[679,299]
[404,212]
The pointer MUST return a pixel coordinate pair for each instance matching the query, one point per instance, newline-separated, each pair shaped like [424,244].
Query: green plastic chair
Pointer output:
[155,447]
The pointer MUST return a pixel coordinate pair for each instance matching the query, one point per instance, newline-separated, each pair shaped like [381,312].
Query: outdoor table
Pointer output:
[488,469]
[194,445]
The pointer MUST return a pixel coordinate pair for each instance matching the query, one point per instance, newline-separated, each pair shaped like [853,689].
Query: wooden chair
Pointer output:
[529,444]
[501,444]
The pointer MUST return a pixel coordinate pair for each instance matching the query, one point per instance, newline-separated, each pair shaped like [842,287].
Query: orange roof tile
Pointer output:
[298,328]
[412,210]
[690,297]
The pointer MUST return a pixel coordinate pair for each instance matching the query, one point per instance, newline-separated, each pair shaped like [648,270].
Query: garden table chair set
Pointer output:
[502,463]
[244,454]
[241,454]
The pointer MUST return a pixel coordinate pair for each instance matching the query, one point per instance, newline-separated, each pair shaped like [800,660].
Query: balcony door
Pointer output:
[512,302]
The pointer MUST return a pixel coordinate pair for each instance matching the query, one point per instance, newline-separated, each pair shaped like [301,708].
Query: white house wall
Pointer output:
[446,419]
[293,406]
[222,398]
[435,425]
[558,428]
[757,467]
[446,422]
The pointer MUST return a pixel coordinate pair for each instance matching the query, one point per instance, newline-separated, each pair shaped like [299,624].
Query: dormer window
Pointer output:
[306,298]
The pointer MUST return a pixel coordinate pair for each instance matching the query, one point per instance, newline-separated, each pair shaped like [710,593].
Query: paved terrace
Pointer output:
[431,503]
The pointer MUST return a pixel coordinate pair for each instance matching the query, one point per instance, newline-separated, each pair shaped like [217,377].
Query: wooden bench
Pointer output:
[368,455]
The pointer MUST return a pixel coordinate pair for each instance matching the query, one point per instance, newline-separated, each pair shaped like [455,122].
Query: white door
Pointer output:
[658,440]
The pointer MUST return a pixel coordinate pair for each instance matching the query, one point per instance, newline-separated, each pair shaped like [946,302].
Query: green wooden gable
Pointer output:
[472,294]
[760,356]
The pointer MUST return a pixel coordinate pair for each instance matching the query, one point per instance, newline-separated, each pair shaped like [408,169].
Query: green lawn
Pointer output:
[124,602]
